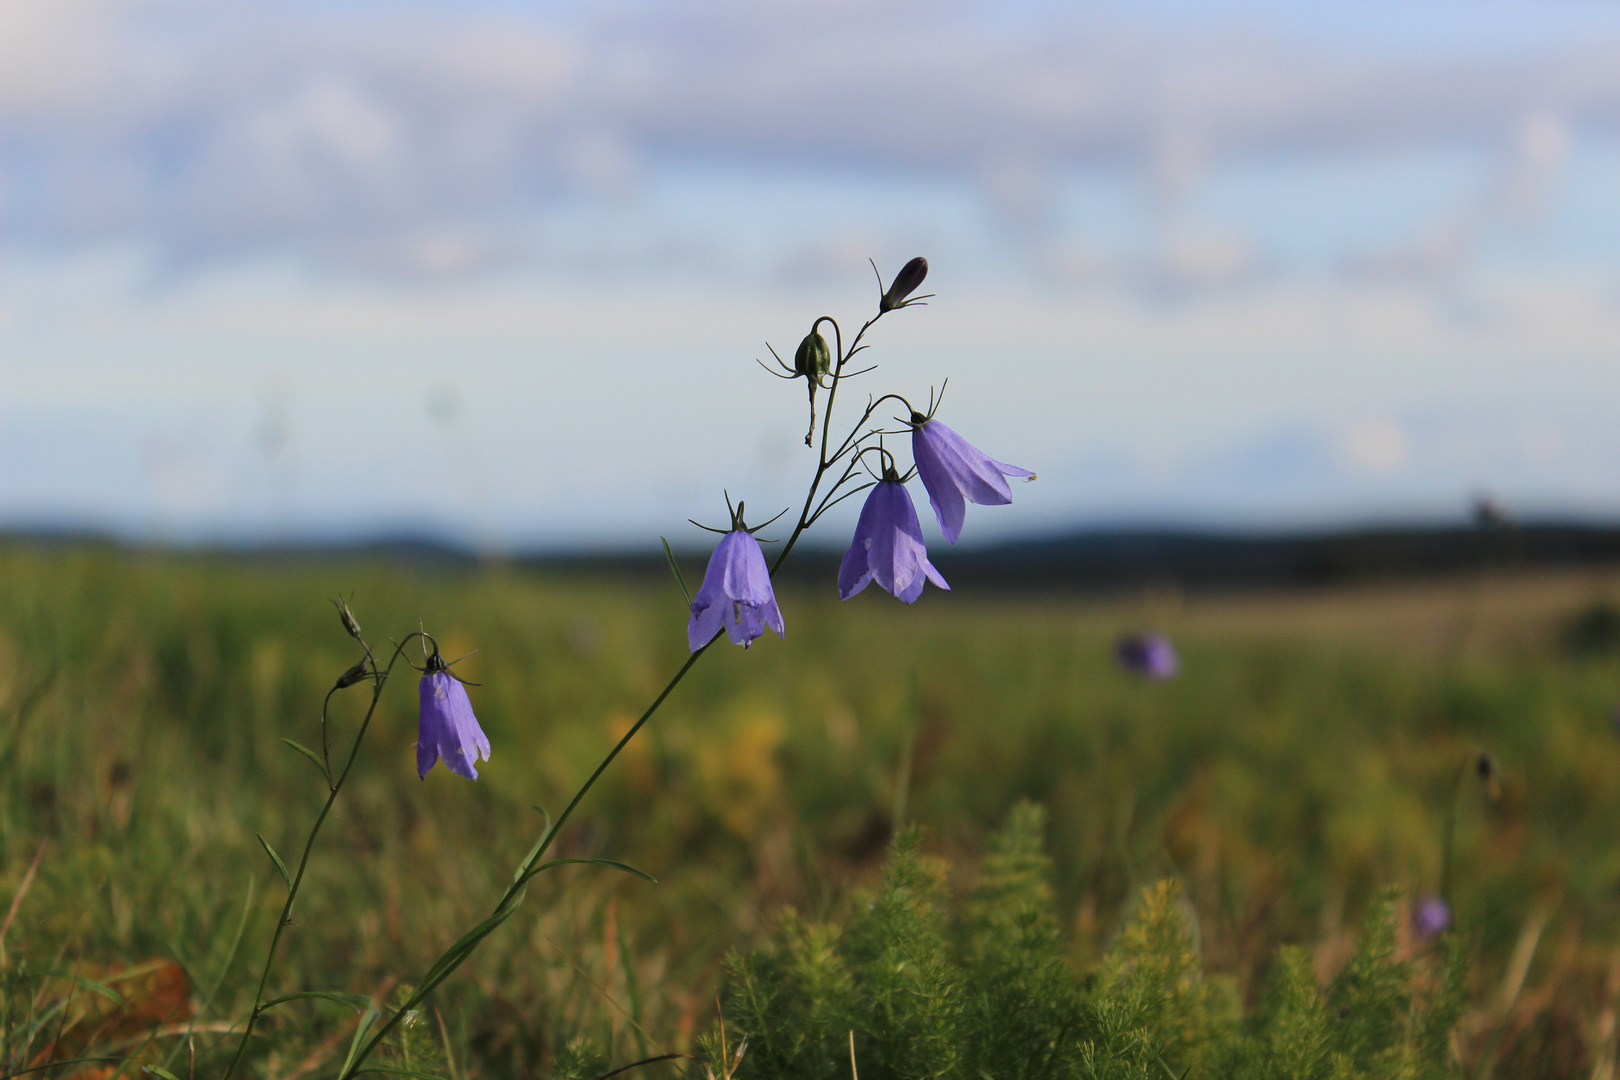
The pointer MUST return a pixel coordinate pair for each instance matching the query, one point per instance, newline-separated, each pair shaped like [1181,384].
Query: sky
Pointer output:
[499,272]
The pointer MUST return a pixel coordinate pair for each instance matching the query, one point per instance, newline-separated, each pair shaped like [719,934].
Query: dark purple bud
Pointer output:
[1431,916]
[1150,656]
[361,670]
[905,283]
[350,625]
[814,358]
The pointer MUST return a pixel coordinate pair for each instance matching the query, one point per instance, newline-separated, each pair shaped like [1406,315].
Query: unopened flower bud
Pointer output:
[350,625]
[814,358]
[361,670]
[904,284]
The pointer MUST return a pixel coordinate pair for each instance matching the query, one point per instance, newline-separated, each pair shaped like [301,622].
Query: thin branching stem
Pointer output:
[520,880]
[806,516]
[514,893]
[285,918]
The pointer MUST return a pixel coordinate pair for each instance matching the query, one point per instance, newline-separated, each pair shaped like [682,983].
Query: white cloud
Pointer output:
[55,55]
[209,130]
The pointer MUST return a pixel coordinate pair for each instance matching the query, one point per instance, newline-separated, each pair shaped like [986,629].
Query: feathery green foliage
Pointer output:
[989,992]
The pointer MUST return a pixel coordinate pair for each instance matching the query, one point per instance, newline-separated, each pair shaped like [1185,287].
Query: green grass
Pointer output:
[1306,759]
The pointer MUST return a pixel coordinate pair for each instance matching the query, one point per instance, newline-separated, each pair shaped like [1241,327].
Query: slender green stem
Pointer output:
[823,462]
[521,879]
[285,918]
[1446,858]
[513,895]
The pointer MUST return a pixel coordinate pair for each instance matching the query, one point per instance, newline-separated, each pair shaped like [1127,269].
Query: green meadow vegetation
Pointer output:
[951,839]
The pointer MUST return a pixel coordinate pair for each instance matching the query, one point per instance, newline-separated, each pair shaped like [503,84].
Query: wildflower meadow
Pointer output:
[1353,833]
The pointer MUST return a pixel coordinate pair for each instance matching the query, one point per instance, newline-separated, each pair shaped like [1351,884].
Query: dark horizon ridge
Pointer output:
[1098,559]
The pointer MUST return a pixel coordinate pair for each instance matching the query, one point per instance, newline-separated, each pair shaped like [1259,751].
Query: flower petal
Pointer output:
[953,469]
[447,728]
[855,572]
[944,493]
[888,547]
[746,577]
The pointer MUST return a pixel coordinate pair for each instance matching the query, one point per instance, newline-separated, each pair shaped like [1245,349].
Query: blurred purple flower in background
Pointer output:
[447,727]
[888,546]
[736,594]
[1430,916]
[952,469]
[1149,655]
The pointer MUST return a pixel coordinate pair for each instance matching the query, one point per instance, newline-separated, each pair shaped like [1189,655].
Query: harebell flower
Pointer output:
[446,726]
[736,598]
[736,594]
[888,545]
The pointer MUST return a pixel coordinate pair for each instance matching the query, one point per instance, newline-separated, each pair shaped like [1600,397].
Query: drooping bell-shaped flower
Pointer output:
[954,470]
[1149,655]
[446,726]
[736,594]
[888,546]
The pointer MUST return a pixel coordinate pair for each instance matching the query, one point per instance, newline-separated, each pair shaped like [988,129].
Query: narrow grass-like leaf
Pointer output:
[534,852]
[313,756]
[363,1028]
[358,1002]
[626,867]
[676,570]
[464,945]
[95,987]
[396,1072]
[270,851]
[58,1065]
[646,1061]
[230,957]
[158,1070]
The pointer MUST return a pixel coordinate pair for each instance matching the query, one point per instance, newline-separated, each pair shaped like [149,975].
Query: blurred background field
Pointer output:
[1306,757]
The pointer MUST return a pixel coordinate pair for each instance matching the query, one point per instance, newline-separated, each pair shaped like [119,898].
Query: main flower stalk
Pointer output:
[532,864]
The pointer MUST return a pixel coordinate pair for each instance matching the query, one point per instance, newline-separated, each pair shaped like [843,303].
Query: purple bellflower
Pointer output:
[447,727]
[736,594]
[1430,917]
[1149,655]
[954,470]
[888,546]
